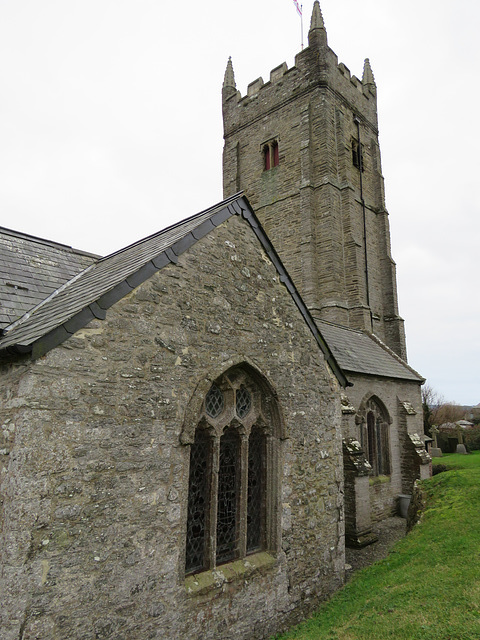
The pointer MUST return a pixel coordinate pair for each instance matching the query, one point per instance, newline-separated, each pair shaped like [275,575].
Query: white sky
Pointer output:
[110,129]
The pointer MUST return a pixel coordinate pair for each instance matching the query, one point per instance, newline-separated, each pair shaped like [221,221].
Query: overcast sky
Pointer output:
[110,129]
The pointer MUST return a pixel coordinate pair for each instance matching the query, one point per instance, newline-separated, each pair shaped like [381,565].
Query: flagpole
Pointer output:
[301,24]
[299,8]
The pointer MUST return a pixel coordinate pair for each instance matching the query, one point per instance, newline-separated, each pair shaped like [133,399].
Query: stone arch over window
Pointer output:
[234,481]
[375,423]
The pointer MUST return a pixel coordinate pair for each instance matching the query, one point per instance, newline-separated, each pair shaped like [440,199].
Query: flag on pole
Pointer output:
[298,7]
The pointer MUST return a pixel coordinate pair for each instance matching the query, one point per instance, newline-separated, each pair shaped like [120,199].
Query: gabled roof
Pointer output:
[360,352]
[91,292]
[31,269]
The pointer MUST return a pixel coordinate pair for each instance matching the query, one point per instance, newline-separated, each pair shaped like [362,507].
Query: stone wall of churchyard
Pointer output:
[392,393]
[94,486]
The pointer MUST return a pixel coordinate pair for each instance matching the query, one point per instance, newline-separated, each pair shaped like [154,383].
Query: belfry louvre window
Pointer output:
[357,155]
[271,156]
[232,462]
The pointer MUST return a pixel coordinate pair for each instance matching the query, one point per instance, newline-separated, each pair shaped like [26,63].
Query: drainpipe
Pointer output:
[360,167]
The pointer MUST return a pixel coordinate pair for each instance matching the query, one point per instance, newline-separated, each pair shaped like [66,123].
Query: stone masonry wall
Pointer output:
[8,395]
[95,483]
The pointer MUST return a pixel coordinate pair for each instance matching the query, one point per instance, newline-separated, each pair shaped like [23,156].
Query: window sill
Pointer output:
[213,579]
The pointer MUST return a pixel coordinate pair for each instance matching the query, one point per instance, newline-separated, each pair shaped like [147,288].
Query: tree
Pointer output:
[431,400]
[448,412]
[436,411]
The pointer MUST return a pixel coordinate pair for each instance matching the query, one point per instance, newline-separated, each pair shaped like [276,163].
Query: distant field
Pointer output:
[429,586]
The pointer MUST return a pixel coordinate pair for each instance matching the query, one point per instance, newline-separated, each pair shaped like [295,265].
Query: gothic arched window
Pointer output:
[377,441]
[232,459]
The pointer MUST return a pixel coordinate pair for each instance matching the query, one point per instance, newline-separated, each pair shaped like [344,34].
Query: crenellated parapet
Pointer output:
[284,83]
[315,66]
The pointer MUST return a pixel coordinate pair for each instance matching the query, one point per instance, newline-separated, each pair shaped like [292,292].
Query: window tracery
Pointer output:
[243,402]
[214,402]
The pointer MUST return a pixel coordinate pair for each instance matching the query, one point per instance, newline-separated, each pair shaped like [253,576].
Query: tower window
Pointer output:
[266,157]
[357,155]
[271,157]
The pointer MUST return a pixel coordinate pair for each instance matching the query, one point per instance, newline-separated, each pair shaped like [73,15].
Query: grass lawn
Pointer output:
[429,586]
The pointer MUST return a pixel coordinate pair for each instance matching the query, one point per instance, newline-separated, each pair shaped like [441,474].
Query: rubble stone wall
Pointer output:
[95,479]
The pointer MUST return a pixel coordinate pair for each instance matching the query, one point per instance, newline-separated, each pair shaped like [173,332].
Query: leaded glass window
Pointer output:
[227,505]
[243,402]
[228,508]
[197,502]
[214,402]
[372,441]
[377,441]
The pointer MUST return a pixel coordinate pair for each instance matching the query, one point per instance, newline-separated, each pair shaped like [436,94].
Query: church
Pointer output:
[195,426]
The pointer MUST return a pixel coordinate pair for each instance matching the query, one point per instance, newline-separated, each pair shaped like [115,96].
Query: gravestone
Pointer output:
[461,448]
[435,451]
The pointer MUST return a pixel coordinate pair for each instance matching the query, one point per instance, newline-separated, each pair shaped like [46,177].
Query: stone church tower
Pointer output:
[304,147]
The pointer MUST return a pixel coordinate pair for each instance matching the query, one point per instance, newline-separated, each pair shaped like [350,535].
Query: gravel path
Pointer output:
[388,532]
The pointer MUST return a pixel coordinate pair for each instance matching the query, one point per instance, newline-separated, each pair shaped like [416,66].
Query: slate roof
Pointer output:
[91,292]
[359,352]
[31,269]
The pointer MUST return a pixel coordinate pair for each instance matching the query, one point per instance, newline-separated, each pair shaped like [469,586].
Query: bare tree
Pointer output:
[436,411]
[448,412]
[431,400]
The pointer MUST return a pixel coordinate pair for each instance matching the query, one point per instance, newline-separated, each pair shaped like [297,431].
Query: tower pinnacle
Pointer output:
[317,36]
[368,80]
[229,86]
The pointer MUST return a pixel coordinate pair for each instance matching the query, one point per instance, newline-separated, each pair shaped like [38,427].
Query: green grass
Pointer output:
[429,586]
